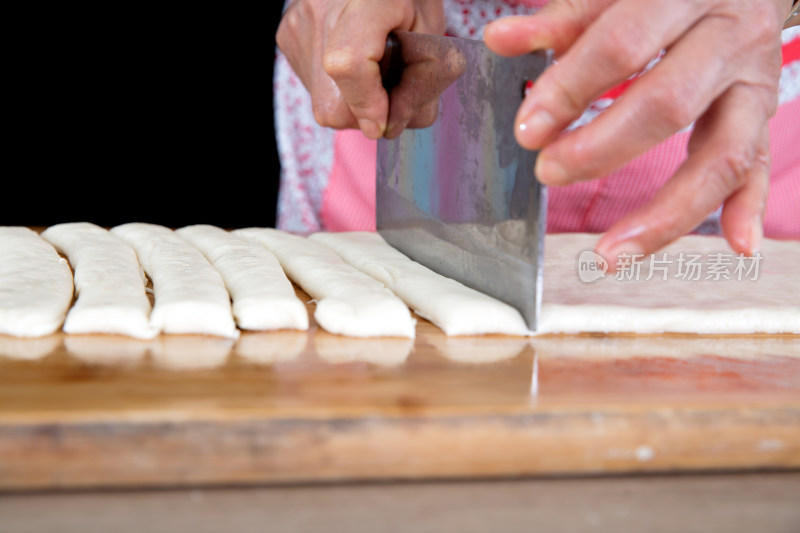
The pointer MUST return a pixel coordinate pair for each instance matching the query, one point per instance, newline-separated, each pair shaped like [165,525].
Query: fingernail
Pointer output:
[756,235]
[533,130]
[550,172]
[370,128]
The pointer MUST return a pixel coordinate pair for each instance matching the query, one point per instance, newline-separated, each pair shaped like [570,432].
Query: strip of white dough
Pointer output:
[628,302]
[263,297]
[109,281]
[190,295]
[349,302]
[455,308]
[36,287]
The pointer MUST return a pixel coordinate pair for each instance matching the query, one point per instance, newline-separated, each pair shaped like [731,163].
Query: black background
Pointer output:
[132,116]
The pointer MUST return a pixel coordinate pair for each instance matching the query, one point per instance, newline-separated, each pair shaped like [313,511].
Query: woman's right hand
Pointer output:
[334,46]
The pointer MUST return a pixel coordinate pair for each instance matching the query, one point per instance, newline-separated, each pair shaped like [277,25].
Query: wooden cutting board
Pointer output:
[285,407]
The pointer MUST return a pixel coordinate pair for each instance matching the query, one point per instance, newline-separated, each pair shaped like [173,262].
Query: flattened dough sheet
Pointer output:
[348,302]
[190,295]
[109,282]
[36,286]
[263,297]
[731,296]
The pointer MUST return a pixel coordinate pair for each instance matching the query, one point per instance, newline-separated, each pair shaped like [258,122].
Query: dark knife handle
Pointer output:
[391,64]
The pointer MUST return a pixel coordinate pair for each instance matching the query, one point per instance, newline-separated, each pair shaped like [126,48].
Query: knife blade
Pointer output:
[460,196]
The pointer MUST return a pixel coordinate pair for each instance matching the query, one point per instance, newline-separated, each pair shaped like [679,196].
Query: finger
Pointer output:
[354,47]
[742,218]
[429,18]
[295,21]
[661,102]
[424,116]
[431,66]
[724,164]
[304,54]
[620,43]
[554,27]
[329,106]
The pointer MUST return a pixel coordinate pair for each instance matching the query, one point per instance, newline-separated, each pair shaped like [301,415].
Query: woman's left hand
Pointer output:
[720,73]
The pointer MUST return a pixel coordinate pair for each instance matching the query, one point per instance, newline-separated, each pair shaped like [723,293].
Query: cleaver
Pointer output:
[460,196]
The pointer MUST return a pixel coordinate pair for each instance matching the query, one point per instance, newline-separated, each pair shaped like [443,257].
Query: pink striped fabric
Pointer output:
[349,201]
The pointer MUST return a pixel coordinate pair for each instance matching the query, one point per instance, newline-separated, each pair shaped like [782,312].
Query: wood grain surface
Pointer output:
[286,407]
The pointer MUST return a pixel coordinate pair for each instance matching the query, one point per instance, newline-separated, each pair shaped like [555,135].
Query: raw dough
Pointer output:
[453,307]
[349,302]
[263,297]
[36,287]
[190,295]
[109,282]
[767,300]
